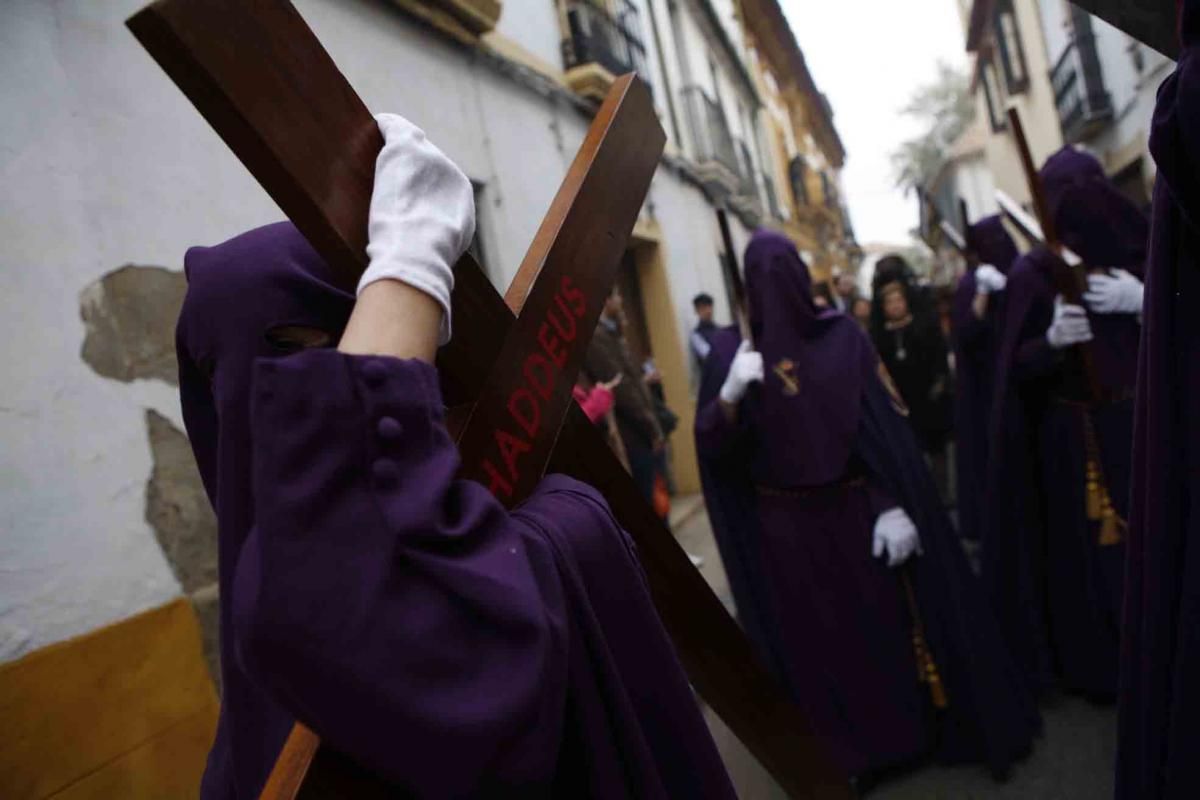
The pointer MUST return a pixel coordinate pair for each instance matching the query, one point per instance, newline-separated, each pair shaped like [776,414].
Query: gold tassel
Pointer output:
[927,671]
[1094,503]
[1099,501]
[937,692]
[1111,529]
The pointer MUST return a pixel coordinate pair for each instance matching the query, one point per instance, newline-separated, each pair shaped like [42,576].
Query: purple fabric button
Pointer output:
[374,373]
[385,471]
[389,429]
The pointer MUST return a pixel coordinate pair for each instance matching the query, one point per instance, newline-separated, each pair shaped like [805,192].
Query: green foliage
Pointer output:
[946,108]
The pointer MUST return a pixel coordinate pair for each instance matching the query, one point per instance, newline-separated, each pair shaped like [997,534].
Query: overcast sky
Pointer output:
[868,56]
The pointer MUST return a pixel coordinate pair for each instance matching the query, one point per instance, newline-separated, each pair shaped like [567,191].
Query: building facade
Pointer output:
[108,541]
[1075,80]
[807,152]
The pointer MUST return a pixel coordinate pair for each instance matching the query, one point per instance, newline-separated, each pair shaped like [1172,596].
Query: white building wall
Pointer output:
[1036,106]
[106,163]
[534,25]
[1132,91]
[1133,95]
[973,183]
[1056,27]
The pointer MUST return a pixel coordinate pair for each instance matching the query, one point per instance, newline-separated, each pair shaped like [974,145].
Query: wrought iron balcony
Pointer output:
[712,144]
[1083,103]
[798,176]
[746,183]
[772,201]
[609,40]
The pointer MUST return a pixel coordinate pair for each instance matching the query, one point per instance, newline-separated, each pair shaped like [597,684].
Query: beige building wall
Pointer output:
[1036,106]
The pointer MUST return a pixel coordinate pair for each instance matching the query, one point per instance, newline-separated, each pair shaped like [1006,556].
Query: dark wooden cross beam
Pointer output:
[260,77]
[1152,22]
[733,277]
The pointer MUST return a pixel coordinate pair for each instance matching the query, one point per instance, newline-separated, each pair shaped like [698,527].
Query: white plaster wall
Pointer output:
[103,162]
[534,25]
[973,183]
[1056,28]
[1036,105]
[1132,92]
[1133,96]
[655,12]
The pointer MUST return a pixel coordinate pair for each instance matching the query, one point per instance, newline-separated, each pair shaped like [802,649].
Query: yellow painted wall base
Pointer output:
[128,711]
[669,353]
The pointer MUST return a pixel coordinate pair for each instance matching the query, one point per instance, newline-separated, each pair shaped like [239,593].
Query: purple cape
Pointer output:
[1056,591]
[975,342]
[1159,720]
[449,647]
[834,620]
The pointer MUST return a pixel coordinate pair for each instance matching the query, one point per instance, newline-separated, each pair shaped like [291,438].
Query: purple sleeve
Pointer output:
[1033,357]
[388,606]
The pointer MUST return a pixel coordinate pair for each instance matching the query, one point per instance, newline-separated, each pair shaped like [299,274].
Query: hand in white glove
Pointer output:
[895,533]
[1070,325]
[1120,293]
[747,368]
[422,215]
[988,279]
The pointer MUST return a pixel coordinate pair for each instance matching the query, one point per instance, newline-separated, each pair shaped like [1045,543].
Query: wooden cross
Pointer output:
[260,77]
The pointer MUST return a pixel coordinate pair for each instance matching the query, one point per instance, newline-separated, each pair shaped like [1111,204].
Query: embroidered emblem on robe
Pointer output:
[786,370]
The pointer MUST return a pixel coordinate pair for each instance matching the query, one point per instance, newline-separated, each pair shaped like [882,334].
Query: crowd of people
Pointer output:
[823,442]
[456,648]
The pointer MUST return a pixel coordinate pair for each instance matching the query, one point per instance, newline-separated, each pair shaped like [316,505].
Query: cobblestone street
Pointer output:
[1071,761]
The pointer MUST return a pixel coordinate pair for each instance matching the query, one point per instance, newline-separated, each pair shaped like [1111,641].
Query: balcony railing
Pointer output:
[598,37]
[1079,94]
[798,176]
[772,201]
[710,132]
[746,183]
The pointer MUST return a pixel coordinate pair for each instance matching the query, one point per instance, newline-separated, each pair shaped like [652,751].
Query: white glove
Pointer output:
[1120,293]
[1070,325]
[988,279]
[747,368]
[422,215]
[895,533]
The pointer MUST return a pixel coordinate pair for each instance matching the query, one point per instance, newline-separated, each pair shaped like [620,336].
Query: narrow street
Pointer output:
[1072,761]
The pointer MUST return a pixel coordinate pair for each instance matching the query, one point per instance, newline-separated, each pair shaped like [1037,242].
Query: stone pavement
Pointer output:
[1071,761]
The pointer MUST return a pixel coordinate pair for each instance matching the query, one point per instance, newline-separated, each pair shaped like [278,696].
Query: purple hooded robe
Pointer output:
[975,342]
[816,453]
[448,646]
[1055,586]
[1159,710]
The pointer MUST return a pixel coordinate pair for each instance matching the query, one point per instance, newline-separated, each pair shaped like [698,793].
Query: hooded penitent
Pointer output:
[1159,720]
[449,647]
[1059,464]
[975,342]
[828,451]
